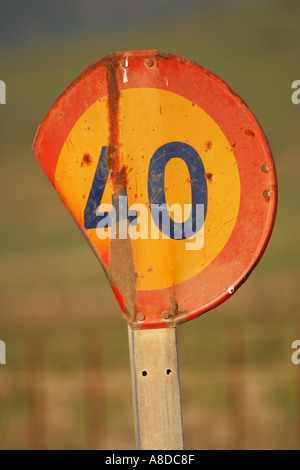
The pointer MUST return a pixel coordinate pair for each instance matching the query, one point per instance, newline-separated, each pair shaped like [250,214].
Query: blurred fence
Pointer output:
[66,407]
[91,391]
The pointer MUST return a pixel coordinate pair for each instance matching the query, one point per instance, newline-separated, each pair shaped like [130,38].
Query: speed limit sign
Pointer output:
[170,178]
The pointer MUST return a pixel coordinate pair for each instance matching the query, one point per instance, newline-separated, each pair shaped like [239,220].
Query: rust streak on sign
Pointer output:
[163,56]
[121,271]
[173,305]
[119,173]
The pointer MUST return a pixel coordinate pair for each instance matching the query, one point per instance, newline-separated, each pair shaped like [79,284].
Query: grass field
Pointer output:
[239,387]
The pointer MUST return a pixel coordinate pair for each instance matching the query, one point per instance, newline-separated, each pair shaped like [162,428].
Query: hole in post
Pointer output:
[144,373]
[169,371]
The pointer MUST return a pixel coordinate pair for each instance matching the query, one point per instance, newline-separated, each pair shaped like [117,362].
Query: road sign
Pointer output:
[160,130]
[171,180]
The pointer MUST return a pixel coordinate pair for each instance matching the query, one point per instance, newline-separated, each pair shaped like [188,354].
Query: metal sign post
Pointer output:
[156,389]
[170,178]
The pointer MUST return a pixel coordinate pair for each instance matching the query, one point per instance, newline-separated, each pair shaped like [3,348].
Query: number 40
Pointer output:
[156,192]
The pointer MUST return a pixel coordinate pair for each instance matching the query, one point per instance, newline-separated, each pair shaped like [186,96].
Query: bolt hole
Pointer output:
[144,373]
[149,63]
[169,372]
[141,317]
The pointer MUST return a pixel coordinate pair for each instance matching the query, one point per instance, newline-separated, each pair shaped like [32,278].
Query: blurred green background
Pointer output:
[67,383]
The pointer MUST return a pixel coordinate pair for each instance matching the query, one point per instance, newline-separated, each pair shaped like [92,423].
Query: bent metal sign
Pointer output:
[169,177]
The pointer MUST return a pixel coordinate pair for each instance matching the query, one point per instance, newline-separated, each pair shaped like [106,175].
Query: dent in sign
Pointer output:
[163,105]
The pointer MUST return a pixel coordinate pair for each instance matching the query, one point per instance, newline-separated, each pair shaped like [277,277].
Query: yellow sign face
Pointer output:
[150,119]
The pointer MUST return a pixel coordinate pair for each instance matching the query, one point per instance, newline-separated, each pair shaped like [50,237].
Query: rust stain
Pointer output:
[209,145]
[173,304]
[121,271]
[174,307]
[86,160]
[162,56]
[249,133]
[209,176]
[118,172]
[113,91]
[120,177]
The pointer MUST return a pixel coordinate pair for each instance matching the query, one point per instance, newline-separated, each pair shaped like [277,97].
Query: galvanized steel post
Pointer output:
[156,389]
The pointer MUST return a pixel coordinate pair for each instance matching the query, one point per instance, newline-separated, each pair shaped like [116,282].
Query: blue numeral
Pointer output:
[91,215]
[156,189]
[91,218]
